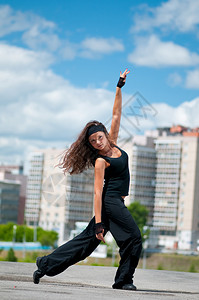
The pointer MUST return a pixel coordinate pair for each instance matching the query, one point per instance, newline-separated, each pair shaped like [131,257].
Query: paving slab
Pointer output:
[94,282]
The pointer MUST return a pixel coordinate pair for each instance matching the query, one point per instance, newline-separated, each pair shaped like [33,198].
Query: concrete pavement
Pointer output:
[91,282]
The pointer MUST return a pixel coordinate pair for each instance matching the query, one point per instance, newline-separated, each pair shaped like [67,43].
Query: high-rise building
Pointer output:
[34,187]
[9,200]
[164,177]
[79,206]
[167,189]
[56,201]
[176,203]
[15,173]
[142,166]
[188,205]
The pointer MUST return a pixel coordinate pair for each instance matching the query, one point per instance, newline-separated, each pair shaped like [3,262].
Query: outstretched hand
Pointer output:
[123,75]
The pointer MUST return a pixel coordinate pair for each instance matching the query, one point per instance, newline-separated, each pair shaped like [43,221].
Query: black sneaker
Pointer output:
[129,287]
[38,273]
[36,276]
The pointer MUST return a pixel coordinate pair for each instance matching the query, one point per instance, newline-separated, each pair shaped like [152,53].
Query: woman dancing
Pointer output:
[95,146]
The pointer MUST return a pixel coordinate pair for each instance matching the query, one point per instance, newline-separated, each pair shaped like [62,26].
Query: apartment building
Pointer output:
[14,173]
[142,166]
[9,200]
[34,188]
[188,206]
[176,202]
[56,201]
[164,176]
[167,189]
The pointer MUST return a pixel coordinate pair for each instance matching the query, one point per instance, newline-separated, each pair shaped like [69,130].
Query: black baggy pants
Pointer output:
[119,221]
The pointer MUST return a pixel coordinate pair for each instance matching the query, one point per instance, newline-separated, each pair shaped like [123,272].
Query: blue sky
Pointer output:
[60,61]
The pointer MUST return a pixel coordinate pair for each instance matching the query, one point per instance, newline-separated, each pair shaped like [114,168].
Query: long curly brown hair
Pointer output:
[81,155]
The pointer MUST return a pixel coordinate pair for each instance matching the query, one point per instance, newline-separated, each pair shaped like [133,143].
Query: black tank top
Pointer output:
[116,175]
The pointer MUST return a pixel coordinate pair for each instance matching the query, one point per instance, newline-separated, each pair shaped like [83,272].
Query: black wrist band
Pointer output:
[99,228]
[121,82]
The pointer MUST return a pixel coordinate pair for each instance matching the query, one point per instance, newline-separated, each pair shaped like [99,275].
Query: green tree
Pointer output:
[20,233]
[6,233]
[29,232]
[140,213]
[24,233]
[47,238]
[11,255]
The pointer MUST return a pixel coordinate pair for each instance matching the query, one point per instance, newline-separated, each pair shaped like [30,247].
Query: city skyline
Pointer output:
[60,63]
[163,168]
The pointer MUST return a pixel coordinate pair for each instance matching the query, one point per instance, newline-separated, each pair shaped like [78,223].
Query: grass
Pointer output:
[156,261]
[172,262]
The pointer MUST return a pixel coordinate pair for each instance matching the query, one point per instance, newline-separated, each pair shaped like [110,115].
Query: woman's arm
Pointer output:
[117,110]
[98,188]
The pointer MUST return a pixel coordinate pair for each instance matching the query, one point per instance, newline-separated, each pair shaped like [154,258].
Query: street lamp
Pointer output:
[35,231]
[14,233]
[145,246]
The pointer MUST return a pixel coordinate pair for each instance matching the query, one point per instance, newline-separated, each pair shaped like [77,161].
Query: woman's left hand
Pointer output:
[100,236]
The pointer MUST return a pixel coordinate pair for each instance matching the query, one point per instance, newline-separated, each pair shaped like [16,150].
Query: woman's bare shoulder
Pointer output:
[100,162]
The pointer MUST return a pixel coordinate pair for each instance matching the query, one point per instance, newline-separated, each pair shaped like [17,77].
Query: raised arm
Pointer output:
[117,108]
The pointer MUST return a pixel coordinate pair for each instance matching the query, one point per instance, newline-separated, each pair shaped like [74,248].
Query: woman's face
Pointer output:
[98,140]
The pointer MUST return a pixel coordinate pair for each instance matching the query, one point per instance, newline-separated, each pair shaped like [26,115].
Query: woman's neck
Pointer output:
[107,151]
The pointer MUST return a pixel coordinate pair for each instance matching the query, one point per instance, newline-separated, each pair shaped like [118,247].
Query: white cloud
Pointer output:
[34,26]
[91,48]
[181,15]
[102,45]
[15,150]
[16,58]
[37,105]
[96,47]
[36,39]
[174,79]
[152,52]
[37,33]
[40,34]
[11,21]
[69,50]
[185,114]
[40,109]
[192,79]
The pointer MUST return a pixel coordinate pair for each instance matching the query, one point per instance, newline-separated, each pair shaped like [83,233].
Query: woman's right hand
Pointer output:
[122,78]
[123,75]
